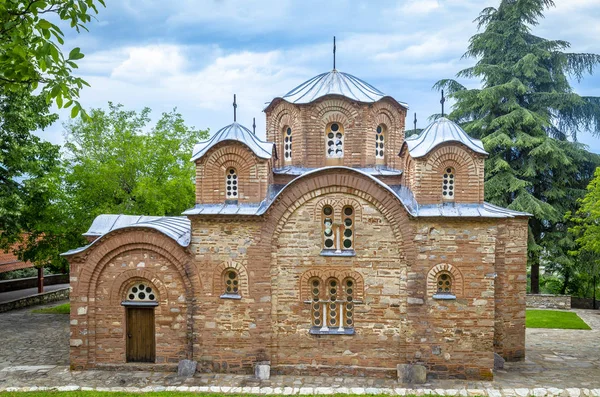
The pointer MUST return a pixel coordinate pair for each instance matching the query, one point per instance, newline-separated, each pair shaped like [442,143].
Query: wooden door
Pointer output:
[140,335]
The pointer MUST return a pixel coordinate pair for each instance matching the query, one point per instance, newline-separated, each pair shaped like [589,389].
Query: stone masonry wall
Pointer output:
[453,338]
[308,123]
[100,278]
[511,286]
[548,301]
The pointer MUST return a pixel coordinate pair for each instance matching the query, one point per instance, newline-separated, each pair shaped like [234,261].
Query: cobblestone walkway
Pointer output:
[34,354]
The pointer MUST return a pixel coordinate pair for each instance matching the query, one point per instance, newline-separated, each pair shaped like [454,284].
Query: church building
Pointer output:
[335,247]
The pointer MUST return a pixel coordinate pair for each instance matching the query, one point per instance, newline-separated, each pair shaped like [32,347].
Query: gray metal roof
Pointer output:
[176,227]
[403,193]
[234,132]
[334,82]
[377,171]
[440,131]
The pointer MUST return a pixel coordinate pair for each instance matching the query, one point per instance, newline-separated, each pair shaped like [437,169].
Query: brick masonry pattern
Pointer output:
[397,319]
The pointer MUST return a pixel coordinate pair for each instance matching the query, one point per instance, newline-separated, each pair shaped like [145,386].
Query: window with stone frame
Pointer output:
[287,144]
[338,236]
[380,135]
[443,286]
[231,283]
[448,184]
[334,147]
[332,306]
[231,184]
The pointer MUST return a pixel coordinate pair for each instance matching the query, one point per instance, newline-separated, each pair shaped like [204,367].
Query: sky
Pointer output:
[193,55]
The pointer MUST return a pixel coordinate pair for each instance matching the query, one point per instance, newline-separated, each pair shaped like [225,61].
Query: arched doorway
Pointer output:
[140,341]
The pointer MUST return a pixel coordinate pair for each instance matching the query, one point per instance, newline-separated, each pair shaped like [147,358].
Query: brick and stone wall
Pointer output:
[253,174]
[424,175]
[548,301]
[308,123]
[396,318]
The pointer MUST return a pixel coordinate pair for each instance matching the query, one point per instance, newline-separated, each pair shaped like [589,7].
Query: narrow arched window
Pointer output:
[348,238]
[448,184]
[231,281]
[444,283]
[328,233]
[141,292]
[231,184]
[335,141]
[380,133]
[332,292]
[348,286]
[287,144]
[315,292]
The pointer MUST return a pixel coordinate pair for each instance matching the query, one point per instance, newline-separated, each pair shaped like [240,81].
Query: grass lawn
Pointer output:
[65,308]
[554,319]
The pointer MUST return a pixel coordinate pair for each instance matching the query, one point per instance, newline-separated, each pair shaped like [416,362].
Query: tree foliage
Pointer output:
[31,43]
[525,112]
[117,164]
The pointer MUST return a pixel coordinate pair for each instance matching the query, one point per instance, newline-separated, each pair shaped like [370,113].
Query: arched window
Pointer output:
[348,215]
[444,283]
[332,309]
[141,292]
[380,133]
[328,233]
[448,184]
[332,292]
[287,144]
[231,184]
[315,292]
[231,281]
[335,141]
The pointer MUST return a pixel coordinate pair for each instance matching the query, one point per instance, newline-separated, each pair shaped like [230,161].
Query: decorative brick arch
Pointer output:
[129,277]
[338,180]
[344,108]
[218,287]
[327,274]
[337,206]
[457,279]
[211,169]
[119,242]
[468,173]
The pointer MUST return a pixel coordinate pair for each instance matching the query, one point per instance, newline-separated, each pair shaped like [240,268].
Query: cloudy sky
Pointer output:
[195,54]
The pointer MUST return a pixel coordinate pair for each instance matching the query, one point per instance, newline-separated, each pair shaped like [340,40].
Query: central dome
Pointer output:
[336,83]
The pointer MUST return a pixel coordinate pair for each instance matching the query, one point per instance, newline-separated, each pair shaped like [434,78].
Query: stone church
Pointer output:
[338,246]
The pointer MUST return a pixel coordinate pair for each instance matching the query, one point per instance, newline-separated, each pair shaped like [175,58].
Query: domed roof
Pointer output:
[234,132]
[440,131]
[334,82]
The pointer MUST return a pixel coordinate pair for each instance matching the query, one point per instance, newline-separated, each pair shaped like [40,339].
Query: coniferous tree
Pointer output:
[527,115]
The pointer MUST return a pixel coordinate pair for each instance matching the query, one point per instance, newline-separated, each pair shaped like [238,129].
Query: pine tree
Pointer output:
[527,115]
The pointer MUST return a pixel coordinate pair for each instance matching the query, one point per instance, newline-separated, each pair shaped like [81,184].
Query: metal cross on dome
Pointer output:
[442,102]
[234,109]
[333,52]
[254,125]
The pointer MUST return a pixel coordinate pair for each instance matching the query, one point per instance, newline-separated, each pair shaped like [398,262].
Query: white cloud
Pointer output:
[418,7]
[150,62]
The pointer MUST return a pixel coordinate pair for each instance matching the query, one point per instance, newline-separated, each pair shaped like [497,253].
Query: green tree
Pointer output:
[31,47]
[115,164]
[29,169]
[524,112]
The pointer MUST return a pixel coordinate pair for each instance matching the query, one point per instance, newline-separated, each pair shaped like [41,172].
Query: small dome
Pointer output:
[337,83]
[234,132]
[440,131]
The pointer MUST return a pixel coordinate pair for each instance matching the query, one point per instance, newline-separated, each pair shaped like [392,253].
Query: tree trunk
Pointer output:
[535,276]
[40,280]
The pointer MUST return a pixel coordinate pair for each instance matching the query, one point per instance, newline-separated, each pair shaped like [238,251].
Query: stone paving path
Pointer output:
[34,354]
